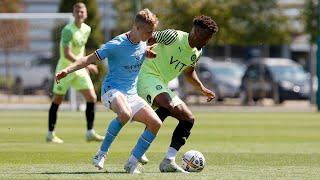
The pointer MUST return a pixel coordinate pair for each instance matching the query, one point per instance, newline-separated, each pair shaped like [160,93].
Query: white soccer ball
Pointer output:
[193,161]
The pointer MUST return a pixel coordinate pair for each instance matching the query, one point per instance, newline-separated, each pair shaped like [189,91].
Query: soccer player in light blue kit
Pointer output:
[125,54]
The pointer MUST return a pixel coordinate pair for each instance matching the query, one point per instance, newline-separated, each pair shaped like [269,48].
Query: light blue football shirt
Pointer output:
[124,60]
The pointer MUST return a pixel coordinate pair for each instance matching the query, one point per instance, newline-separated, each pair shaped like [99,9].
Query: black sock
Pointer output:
[53,116]
[163,113]
[90,111]
[181,134]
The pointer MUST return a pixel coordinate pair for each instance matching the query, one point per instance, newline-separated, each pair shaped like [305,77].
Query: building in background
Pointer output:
[42,43]
[40,31]
[299,47]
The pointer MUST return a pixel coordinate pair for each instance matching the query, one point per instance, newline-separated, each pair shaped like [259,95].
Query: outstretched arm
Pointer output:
[79,64]
[193,79]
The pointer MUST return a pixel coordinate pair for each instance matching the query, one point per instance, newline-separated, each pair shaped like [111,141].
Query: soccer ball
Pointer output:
[193,161]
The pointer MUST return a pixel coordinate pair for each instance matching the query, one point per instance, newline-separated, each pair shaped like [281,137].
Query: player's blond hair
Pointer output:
[79,5]
[147,17]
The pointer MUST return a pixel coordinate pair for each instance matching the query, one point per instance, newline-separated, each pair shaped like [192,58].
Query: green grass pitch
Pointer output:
[235,145]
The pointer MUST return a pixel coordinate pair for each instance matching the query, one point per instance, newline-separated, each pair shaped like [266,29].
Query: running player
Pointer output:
[72,46]
[177,52]
[125,54]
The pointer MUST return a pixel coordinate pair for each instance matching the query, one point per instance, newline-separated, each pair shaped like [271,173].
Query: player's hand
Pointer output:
[210,94]
[93,69]
[151,41]
[60,75]
[150,53]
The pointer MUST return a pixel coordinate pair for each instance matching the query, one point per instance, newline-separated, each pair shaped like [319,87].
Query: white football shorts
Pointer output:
[134,101]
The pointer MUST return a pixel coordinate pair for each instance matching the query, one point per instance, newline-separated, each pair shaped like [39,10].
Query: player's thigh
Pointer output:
[167,99]
[120,104]
[178,109]
[89,95]
[182,112]
[117,102]
[82,82]
[147,116]
[62,87]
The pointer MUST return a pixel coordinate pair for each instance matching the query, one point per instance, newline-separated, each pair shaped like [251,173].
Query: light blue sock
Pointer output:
[113,130]
[143,144]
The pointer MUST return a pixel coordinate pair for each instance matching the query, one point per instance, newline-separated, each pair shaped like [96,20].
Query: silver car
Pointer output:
[223,77]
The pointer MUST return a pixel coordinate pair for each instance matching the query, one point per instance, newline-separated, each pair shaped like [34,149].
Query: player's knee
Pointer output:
[124,116]
[57,100]
[92,98]
[190,118]
[154,125]
[157,124]
[169,106]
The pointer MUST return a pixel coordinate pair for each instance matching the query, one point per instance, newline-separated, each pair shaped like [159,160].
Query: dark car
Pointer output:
[223,77]
[277,78]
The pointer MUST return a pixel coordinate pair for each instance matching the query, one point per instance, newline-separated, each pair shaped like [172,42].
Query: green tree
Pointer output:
[260,21]
[124,16]
[10,31]
[241,22]
[95,38]
[182,12]
[10,6]
[309,18]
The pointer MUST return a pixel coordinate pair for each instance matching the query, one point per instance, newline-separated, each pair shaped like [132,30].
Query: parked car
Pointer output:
[223,77]
[30,76]
[277,78]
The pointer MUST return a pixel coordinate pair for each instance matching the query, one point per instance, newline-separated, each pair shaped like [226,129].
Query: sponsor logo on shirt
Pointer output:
[177,64]
[133,68]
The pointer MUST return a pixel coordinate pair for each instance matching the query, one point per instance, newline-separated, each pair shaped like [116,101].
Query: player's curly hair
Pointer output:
[146,16]
[205,22]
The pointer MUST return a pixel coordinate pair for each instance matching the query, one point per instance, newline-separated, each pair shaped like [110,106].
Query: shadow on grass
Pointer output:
[102,172]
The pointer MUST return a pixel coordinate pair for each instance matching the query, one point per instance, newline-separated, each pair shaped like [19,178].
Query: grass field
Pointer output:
[236,146]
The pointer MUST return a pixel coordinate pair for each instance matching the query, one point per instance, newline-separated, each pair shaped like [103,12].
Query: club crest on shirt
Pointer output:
[158,87]
[193,57]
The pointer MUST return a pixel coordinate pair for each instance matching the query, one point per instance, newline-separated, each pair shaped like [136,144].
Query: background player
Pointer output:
[125,54]
[177,52]
[72,46]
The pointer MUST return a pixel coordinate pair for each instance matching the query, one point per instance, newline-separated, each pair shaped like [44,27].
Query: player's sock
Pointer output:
[143,143]
[91,131]
[113,130]
[133,159]
[51,133]
[90,111]
[163,113]
[181,134]
[171,153]
[53,116]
